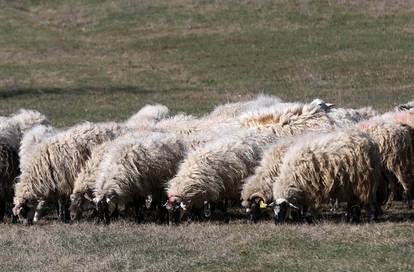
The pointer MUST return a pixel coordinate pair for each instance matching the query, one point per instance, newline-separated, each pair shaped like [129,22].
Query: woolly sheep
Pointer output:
[9,170]
[82,194]
[11,132]
[148,116]
[343,117]
[55,164]
[214,172]
[135,167]
[405,107]
[287,119]
[347,117]
[395,145]
[222,116]
[31,140]
[258,188]
[233,110]
[341,164]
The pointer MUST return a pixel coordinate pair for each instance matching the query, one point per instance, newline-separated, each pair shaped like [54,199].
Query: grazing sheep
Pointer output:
[396,150]
[344,165]
[258,188]
[9,170]
[31,140]
[287,119]
[214,172]
[54,165]
[12,129]
[135,167]
[82,194]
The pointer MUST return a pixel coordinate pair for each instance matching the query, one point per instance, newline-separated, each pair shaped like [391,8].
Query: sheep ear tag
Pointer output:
[262,204]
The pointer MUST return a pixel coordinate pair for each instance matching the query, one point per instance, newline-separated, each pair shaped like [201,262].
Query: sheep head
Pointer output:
[25,210]
[78,203]
[322,104]
[102,207]
[176,208]
[253,207]
[282,208]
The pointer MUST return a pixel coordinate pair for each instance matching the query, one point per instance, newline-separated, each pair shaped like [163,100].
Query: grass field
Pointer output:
[103,60]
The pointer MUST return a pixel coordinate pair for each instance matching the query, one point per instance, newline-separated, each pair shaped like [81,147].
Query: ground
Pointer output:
[103,60]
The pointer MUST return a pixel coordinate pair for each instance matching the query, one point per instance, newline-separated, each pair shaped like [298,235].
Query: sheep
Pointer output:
[9,170]
[30,141]
[233,110]
[405,118]
[343,117]
[343,164]
[148,115]
[395,146]
[222,116]
[54,165]
[11,132]
[405,107]
[257,189]
[135,167]
[287,119]
[214,172]
[82,194]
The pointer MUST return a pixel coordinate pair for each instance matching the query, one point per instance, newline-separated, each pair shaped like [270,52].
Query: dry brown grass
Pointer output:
[237,246]
[102,60]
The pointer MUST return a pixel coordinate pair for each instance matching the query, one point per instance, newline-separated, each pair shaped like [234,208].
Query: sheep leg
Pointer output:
[115,213]
[60,209]
[39,210]
[392,187]
[356,214]
[65,203]
[254,210]
[407,199]
[160,213]
[390,199]
[372,213]
[103,212]
[139,217]
[226,204]
[2,209]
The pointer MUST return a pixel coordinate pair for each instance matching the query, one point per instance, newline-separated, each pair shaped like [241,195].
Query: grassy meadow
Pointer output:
[103,60]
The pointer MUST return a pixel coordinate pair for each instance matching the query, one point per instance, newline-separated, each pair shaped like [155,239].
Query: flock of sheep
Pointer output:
[265,154]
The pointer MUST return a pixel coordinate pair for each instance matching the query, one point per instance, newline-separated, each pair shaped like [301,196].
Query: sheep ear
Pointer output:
[329,105]
[183,206]
[86,196]
[293,206]
[272,205]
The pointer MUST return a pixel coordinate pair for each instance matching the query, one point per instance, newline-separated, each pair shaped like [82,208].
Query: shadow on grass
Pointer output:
[16,92]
